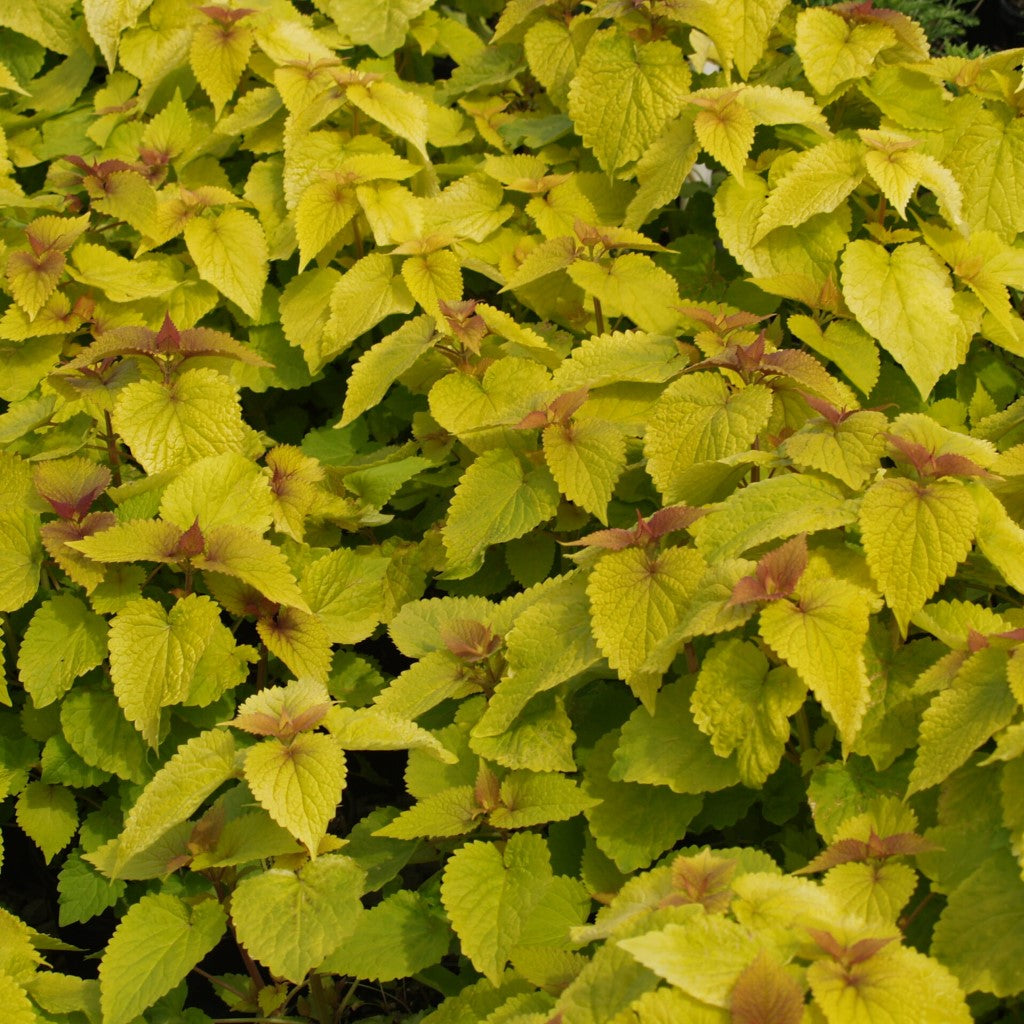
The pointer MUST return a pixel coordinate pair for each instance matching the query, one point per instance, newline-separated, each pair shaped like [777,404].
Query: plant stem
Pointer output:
[261,668]
[112,453]
[318,1000]
[906,922]
[220,984]
[599,316]
[346,999]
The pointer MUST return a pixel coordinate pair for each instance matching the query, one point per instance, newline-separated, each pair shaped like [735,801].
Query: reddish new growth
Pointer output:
[646,532]
[927,464]
[845,851]
[225,15]
[559,411]
[776,575]
[465,324]
[470,641]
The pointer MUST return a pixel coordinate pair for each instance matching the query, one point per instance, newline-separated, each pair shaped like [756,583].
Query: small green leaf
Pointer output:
[48,815]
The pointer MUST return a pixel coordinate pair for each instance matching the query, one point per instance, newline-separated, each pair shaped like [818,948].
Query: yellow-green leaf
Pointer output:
[624,94]
[230,251]
[835,51]
[915,535]
[218,56]
[904,298]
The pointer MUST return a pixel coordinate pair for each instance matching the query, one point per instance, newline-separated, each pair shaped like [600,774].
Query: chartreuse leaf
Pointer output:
[667,748]
[220,490]
[156,944]
[299,783]
[451,812]
[154,654]
[495,898]
[500,497]
[896,985]
[725,129]
[188,777]
[171,425]
[876,892]
[821,633]
[238,552]
[380,366]
[367,293]
[835,51]
[586,458]
[990,160]
[999,538]
[632,284]
[636,598]
[48,815]
[19,958]
[18,1009]
[697,419]
[98,732]
[401,935]
[383,29]
[679,953]
[849,449]
[745,707]
[20,557]
[343,589]
[218,56]
[533,798]
[624,94]
[962,717]
[433,277]
[915,535]
[291,920]
[781,506]
[634,823]
[299,639]
[63,641]
[845,343]
[817,182]
[230,251]
[739,28]
[904,299]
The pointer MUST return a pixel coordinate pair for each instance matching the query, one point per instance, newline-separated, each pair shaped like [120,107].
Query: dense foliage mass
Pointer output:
[608,414]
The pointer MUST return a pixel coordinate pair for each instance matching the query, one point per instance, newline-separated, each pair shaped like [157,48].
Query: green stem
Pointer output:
[261,668]
[319,1002]
[346,999]
[112,453]
[599,316]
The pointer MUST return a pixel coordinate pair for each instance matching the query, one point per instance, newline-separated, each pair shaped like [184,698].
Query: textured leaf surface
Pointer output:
[298,783]
[623,95]
[290,920]
[188,777]
[679,953]
[489,895]
[904,298]
[194,415]
[403,934]
[63,641]
[154,654]
[48,815]
[822,636]
[962,717]
[915,535]
[498,499]
[633,823]
[895,986]
[156,944]
[636,600]
[745,707]
[230,251]
[834,51]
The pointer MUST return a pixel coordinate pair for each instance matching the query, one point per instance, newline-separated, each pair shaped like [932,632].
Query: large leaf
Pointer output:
[230,251]
[291,920]
[299,783]
[915,535]
[156,944]
[624,93]
[904,298]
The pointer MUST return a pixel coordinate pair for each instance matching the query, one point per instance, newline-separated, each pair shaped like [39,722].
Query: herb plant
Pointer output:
[509,512]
